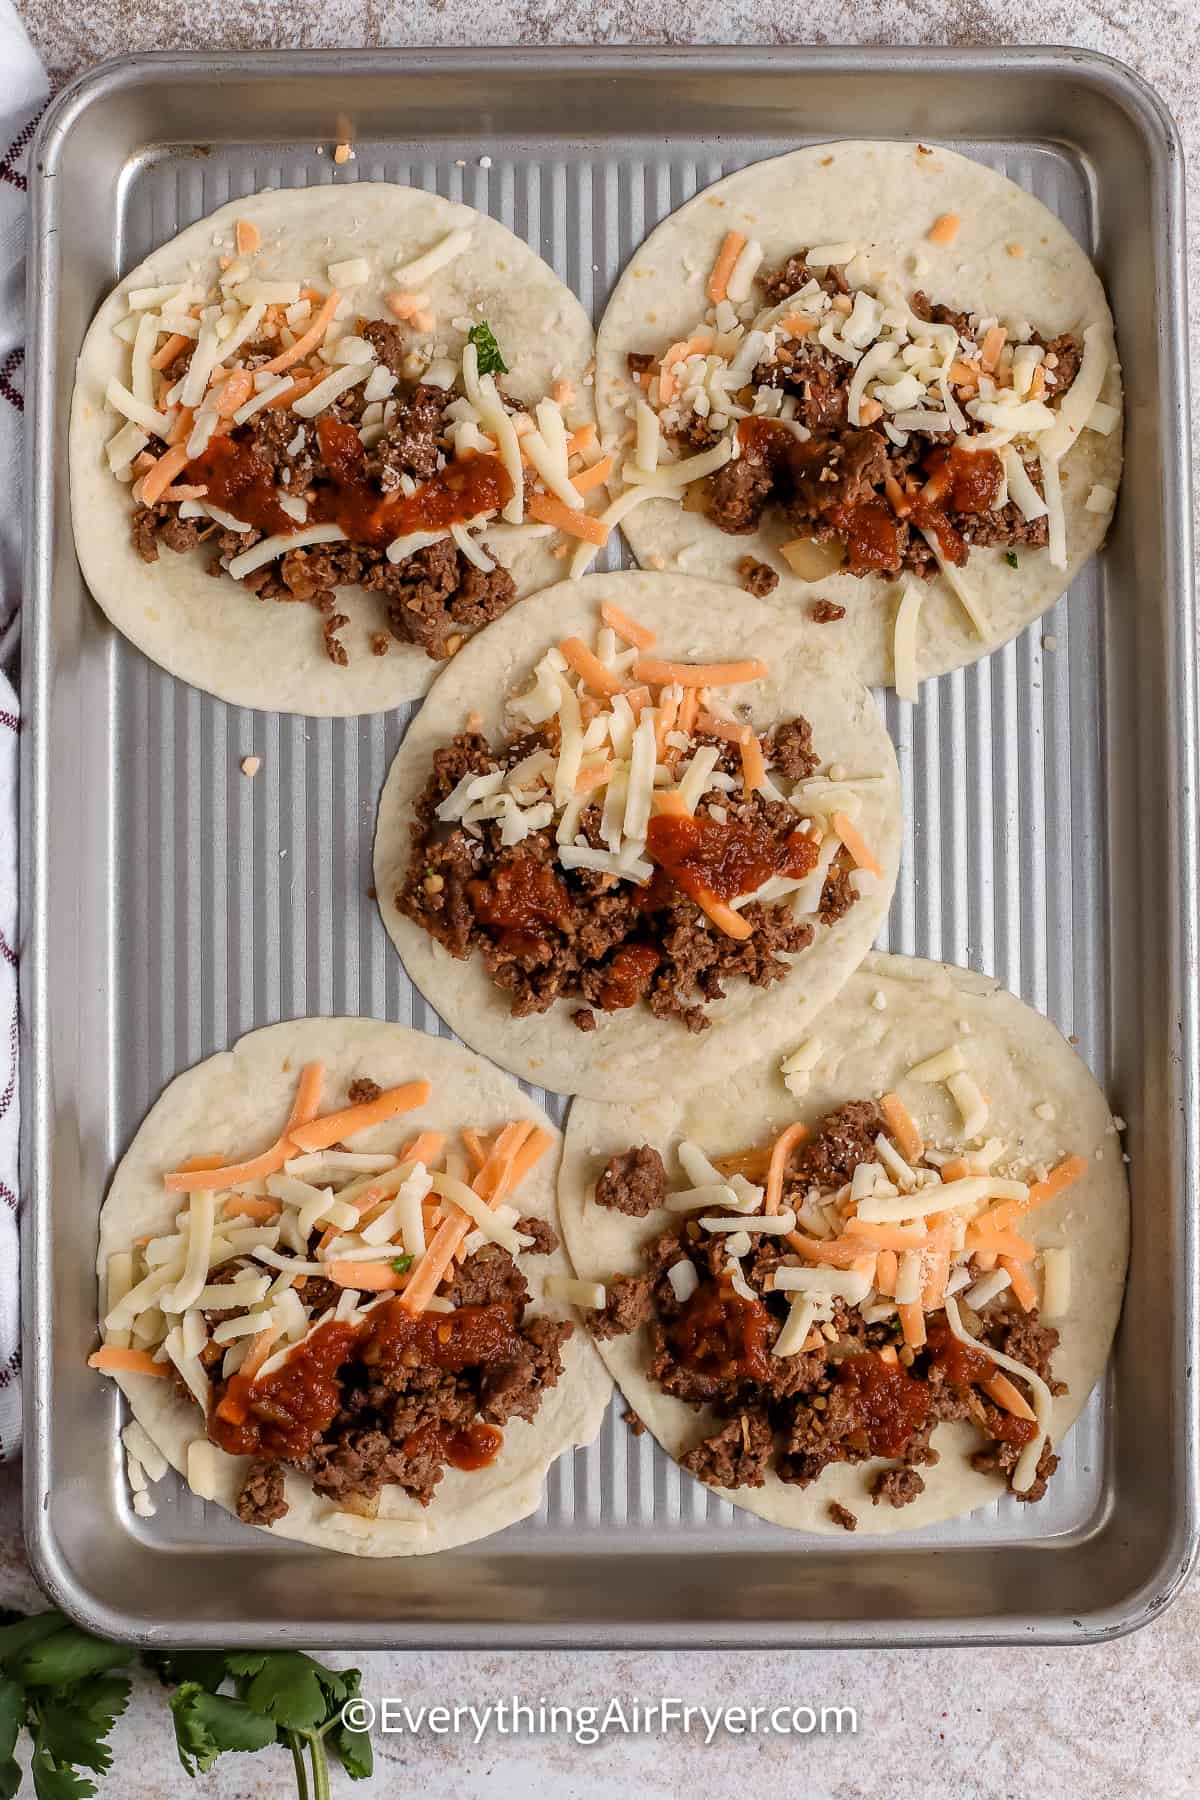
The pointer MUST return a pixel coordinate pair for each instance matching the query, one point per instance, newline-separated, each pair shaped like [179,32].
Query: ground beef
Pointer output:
[838,894]
[779,284]
[841,1515]
[410,444]
[758,578]
[845,1138]
[736,496]
[436,597]
[935,314]
[640,362]
[630,1303]
[1068,353]
[181,535]
[144,533]
[800,1414]
[545,1238]
[318,1293]
[838,483]
[580,934]
[826,612]
[633,1182]
[896,1487]
[487,1277]
[738,1455]
[791,750]
[1021,1336]
[261,1501]
[1002,1459]
[387,343]
[636,1425]
[272,433]
[363,1090]
[514,1390]
[584,1019]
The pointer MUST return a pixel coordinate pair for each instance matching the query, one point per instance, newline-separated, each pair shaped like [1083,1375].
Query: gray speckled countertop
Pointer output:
[1114,1721]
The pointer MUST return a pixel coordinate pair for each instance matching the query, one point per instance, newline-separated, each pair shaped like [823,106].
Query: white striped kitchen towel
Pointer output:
[22,99]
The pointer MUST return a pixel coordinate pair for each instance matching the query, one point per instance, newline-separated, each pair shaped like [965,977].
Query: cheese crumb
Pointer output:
[1044,1110]
[343,153]
[879,1002]
[1049,642]
[251,765]
[485,162]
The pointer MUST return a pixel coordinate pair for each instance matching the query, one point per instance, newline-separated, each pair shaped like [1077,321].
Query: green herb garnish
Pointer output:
[402,1264]
[490,359]
[58,1683]
[1010,557]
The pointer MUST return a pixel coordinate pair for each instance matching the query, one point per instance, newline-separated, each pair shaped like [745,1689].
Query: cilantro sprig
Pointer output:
[280,1696]
[490,359]
[57,1683]
[60,1684]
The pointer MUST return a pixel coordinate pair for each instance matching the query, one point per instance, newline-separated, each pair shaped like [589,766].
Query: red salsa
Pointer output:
[453,1341]
[474,1446]
[703,856]
[892,1404]
[282,1415]
[969,479]
[961,1364]
[628,976]
[722,1334]
[240,479]
[872,536]
[518,895]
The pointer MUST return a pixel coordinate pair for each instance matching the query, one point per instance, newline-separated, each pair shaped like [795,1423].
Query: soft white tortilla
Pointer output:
[882,197]
[631,1052]
[1020,1060]
[213,632]
[232,1104]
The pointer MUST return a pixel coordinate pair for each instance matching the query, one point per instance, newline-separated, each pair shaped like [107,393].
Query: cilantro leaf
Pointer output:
[351,1744]
[491,362]
[70,1655]
[402,1264]
[1010,557]
[73,1725]
[23,1634]
[52,1782]
[206,1724]
[12,1716]
[289,1687]
[206,1667]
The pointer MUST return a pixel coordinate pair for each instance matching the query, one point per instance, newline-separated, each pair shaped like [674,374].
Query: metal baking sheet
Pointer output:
[170,904]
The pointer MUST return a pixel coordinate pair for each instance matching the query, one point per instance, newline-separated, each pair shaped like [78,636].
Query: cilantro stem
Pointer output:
[297,1750]
[320,1763]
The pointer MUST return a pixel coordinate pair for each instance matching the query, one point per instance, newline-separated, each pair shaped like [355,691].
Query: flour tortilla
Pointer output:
[882,197]
[213,632]
[1020,1060]
[238,1099]
[631,1052]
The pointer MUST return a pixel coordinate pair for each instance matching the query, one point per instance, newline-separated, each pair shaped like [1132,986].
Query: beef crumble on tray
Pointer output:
[633,840]
[391,1362]
[819,1334]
